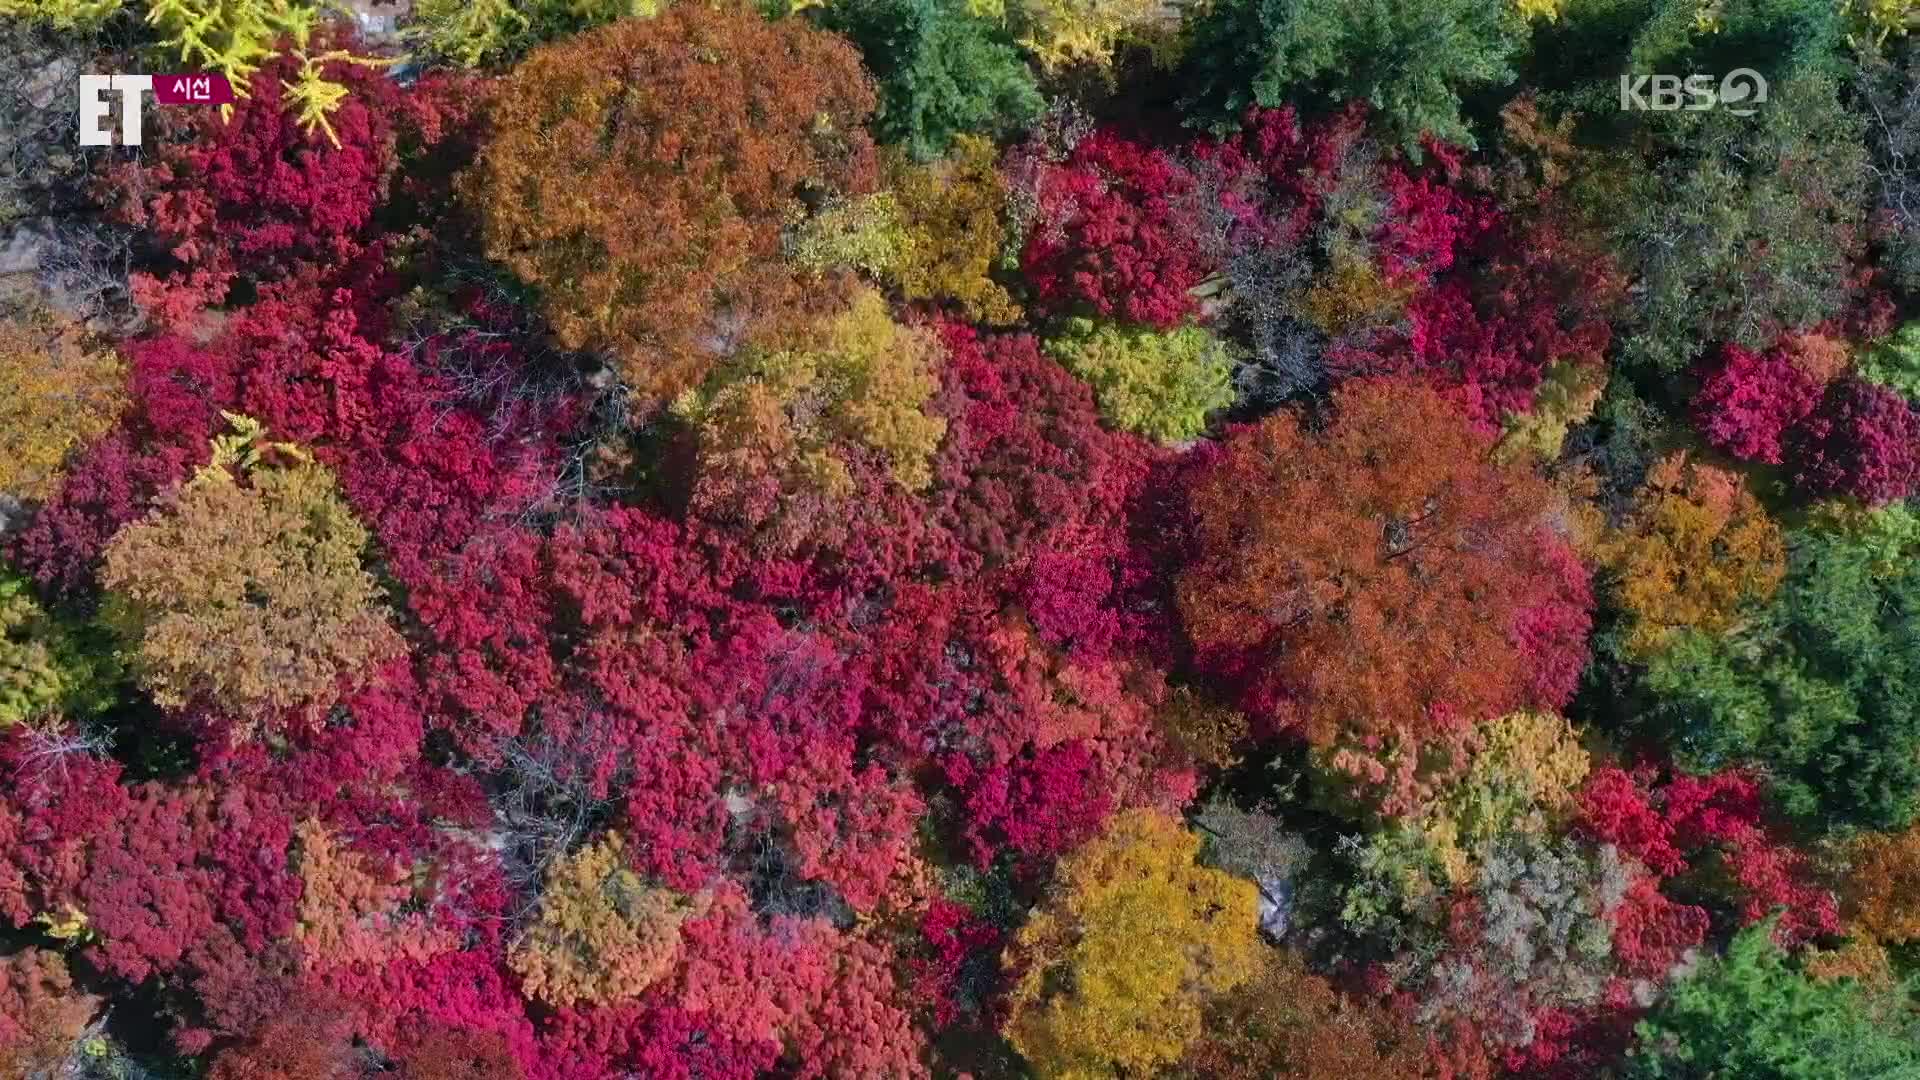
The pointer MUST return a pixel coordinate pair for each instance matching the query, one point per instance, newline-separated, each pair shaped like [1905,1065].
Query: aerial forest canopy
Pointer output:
[987,539]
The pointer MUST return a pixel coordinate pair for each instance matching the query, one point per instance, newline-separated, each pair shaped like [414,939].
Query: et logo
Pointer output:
[167,90]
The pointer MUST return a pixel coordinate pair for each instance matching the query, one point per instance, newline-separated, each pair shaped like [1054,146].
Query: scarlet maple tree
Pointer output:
[1718,824]
[1748,401]
[1113,232]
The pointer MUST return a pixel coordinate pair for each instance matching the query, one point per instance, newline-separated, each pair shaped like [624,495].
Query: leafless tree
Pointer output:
[545,804]
[54,237]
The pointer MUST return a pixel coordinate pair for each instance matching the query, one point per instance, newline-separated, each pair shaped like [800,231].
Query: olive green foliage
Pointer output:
[864,233]
[1819,687]
[1566,398]
[1745,227]
[1087,35]
[48,665]
[1409,59]
[1895,362]
[942,71]
[61,14]
[1161,384]
[1752,1015]
[861,379]
[1521,780]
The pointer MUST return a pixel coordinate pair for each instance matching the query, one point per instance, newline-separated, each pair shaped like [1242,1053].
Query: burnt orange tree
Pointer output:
[639,176]
[42,1014]
[1290,1024]
[1364,584]
[1697,548]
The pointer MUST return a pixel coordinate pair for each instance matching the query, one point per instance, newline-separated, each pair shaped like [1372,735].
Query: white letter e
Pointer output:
[93,109]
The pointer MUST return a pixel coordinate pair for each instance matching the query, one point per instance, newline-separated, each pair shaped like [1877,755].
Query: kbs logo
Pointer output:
[167,90]
[1737,92]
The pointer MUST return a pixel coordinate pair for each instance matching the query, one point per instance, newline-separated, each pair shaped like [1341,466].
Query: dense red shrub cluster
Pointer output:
[1114,231]
[1271,178]
[257,196]
[1861,441]
[1689,825]
[1749,401]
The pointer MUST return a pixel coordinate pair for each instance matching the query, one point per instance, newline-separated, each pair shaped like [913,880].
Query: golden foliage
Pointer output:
[1521,780]
[1566,397]
[311,95]
[467,33]
[877,377]
[57,392]
[470,33]
[603,935]
[1865,962]
[1065,33]
[952,214]
[1881,19]
[771,422]
[231,37]
[1162,384]
[863,233]
[1352,296]
[251,593]
[1698,547]
[1114,969]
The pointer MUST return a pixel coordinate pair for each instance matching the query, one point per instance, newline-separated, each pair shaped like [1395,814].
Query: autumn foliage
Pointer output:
[1365,585]
[250,593]
[1698,550]
[62,393]
[1111,973]
[892,539]
[714,122]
